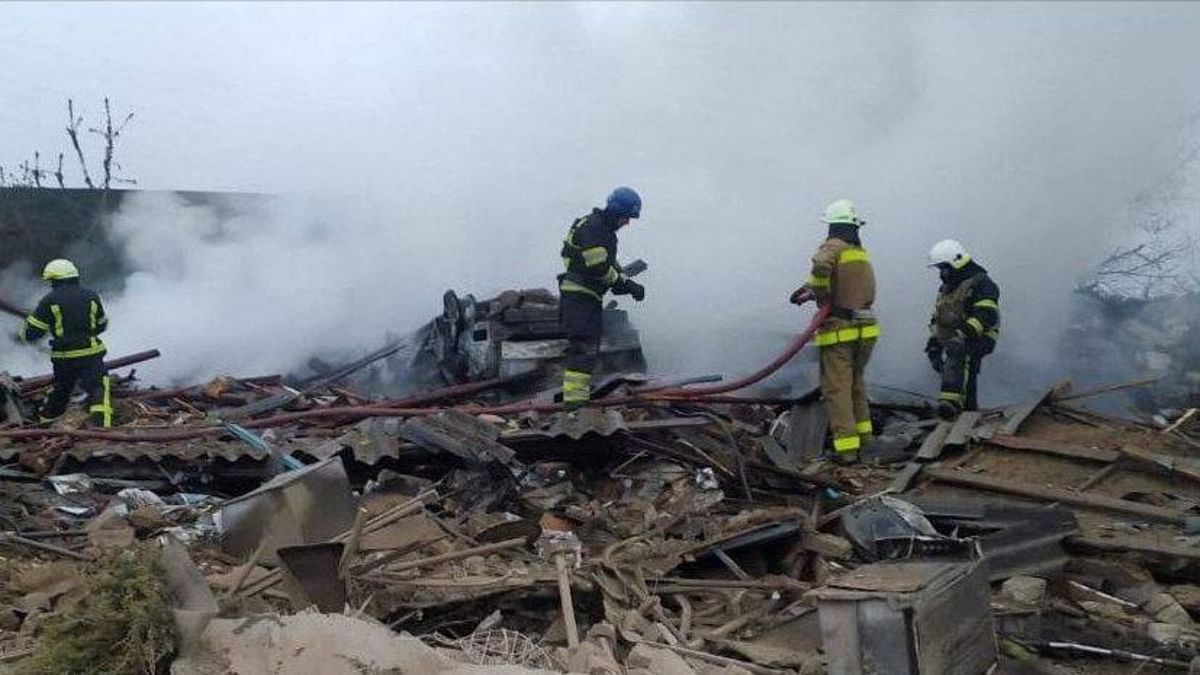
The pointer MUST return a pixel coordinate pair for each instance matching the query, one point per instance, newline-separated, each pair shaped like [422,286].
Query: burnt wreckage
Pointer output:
[518,334]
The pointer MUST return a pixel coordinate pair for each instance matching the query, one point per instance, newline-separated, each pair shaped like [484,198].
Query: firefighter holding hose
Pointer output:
[74,318]
[842,279]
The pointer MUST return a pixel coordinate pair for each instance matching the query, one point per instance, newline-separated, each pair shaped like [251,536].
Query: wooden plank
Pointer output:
[960,432]
[1125,544]
[1098,476]
[1051,494]
[1059,448]
[1016,415]
[905,478]
[931,447]
[1107,389]
[1173,466]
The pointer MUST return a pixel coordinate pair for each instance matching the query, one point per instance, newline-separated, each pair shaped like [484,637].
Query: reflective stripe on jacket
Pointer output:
[970,308]
[842,275]
[589,254]
[73,316]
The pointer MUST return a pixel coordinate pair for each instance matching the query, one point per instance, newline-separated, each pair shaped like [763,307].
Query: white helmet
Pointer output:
[949,252]
[841,211]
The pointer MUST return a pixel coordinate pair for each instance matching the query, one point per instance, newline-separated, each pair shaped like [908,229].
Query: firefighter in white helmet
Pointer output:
[964,327]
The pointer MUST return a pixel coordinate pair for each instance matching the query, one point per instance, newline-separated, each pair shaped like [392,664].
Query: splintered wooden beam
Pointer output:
[1059,448]
[1062,496]
[1016,415]
[1107,389]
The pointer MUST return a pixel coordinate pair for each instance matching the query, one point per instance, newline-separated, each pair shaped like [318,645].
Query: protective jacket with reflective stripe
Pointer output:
[73,316]
[842,275]
[968,305]
[589,254]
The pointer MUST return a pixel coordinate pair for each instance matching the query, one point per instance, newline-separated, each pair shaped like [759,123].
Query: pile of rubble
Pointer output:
[1150,337]
[300,529]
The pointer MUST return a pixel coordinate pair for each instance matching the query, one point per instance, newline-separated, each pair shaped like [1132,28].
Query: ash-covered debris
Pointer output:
[699,533]
[1143,339]
[517,335]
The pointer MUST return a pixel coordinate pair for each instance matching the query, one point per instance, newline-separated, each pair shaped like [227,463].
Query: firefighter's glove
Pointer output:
[637,291]
[933,350]
[800,296]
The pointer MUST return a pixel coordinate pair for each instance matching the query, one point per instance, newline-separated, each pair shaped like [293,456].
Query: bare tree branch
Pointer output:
[58,174]
[110,135]
[73,123]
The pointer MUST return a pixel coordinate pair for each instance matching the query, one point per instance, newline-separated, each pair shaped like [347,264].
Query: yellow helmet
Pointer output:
[842,211]
[58,269]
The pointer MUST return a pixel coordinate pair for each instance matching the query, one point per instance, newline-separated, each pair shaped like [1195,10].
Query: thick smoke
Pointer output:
[464,138]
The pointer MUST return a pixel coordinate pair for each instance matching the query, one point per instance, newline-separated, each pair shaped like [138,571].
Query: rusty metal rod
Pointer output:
[35,383]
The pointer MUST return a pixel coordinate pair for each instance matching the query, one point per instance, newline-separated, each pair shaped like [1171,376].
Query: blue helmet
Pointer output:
[624,203]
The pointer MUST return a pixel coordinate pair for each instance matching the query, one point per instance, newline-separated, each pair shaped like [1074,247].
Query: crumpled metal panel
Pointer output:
[1016,538]
[371,440]
[306,506]
[461,435]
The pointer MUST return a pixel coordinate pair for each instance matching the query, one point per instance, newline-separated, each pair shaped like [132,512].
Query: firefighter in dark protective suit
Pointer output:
[589,254]
[843,279]
[964,327]
[73,317]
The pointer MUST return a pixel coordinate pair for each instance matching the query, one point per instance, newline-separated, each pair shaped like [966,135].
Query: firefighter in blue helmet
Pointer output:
[589,254]
[74,318]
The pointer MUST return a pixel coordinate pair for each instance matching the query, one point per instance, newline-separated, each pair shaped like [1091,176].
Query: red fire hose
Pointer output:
[384,409]
[757,376]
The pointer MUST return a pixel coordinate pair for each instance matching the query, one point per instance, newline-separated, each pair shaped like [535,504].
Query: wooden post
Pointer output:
[564,596]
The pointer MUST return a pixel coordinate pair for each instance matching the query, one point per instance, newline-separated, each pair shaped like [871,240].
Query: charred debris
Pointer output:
[253,524]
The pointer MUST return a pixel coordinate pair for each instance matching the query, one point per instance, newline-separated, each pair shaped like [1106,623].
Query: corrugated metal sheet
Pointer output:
[197,450]
[372,439]
[575,425]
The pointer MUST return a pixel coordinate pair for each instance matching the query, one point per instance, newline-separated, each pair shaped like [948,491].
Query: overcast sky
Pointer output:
[471,134]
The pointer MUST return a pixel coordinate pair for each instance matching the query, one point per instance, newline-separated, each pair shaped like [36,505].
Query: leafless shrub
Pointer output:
[31,174]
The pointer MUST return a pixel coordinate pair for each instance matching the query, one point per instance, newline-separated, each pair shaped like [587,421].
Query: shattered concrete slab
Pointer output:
[330,644]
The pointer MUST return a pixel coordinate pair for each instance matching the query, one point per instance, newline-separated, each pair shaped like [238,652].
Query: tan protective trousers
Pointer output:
[845,391]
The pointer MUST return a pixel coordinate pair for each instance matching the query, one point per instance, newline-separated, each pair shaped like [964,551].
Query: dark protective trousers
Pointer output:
[960,374]
[89,373]
[582,320]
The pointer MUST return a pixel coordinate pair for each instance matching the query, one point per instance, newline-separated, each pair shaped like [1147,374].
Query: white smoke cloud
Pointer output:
[471,134]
